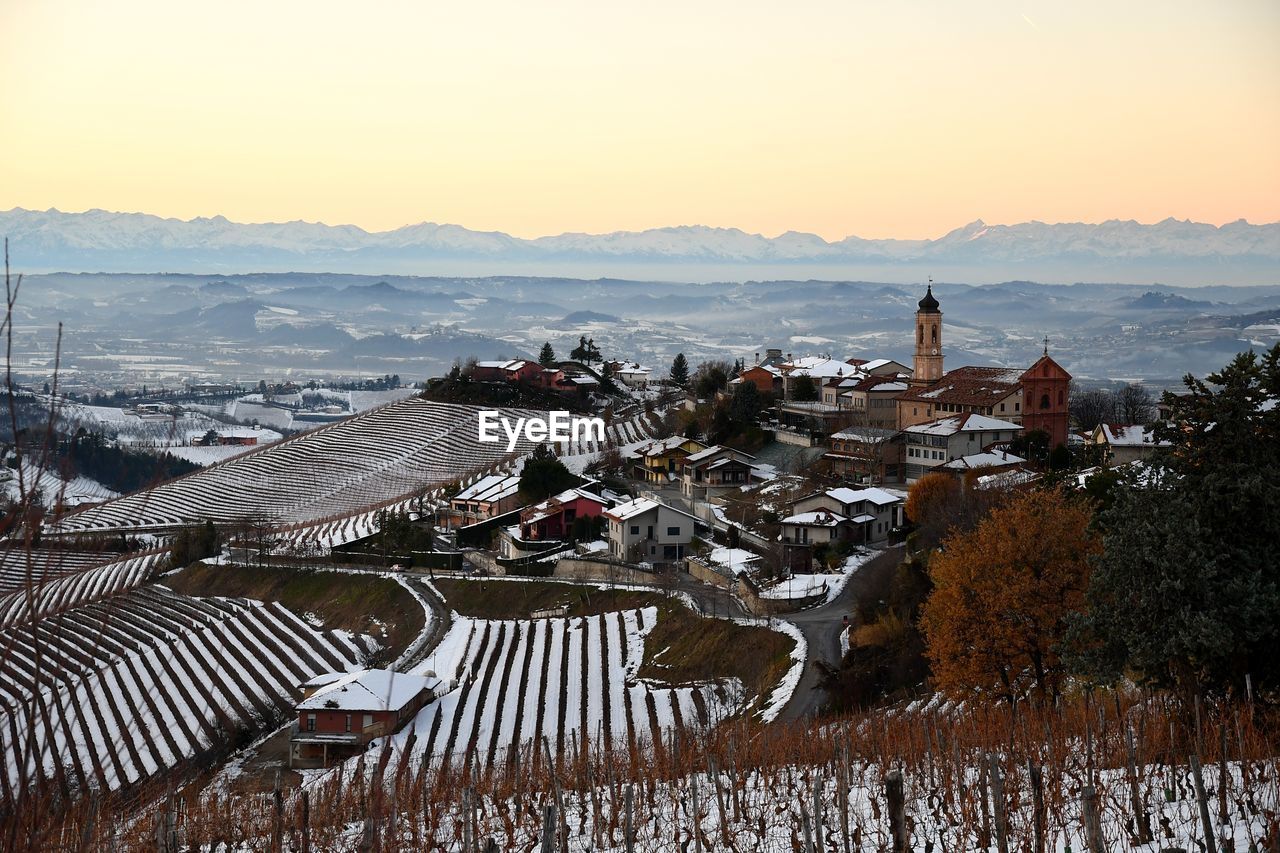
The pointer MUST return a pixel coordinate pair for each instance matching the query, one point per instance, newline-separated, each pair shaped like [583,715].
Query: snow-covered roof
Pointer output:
[967,422]
[879,497]
[493,487]
[991,459]
[514,364]
[369,690]
[632,508]
[863,519]
[666,445]
[733,557]
[1128,435]
[820,367]
[868,435]
[551,505]
[714,451]
[640,506]
[816,518]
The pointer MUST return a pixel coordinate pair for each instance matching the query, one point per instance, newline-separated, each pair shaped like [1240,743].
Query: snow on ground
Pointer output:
[781,694]
[797,586]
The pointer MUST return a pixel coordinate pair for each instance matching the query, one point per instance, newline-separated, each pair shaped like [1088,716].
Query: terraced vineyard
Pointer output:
[60,580]
[332,474]
[113,692]
[338,469]
[569,680]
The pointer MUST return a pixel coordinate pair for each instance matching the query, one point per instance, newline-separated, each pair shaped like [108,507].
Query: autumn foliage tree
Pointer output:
[1004,593]
[933,503]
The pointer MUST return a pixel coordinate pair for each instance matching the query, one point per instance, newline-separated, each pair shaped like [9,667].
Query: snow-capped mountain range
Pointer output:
[98,240]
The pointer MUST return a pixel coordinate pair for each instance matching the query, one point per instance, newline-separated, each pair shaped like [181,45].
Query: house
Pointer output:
[631,374]
[871,512]
[554,517]
[515,370]
[990,391]
[660,461]
[868,454]
[933,444]
[874,400]
[1124,443]
[988,462]
[766,377]
[649,531]
[816,527]
[340,713]
[715,470]
[489,496]
[549,523]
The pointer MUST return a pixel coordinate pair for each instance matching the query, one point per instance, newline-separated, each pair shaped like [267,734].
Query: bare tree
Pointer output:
[1134,405]
[1092,407]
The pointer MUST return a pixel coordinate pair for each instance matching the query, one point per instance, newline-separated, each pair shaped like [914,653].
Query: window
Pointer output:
[1002,407]
[348,728]
[1062,399]
[673,531]
[311,722]
[1044,401]
[1017,407]
[635,530]
[368,720]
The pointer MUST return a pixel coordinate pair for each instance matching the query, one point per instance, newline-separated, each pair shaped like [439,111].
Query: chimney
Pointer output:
[757,358]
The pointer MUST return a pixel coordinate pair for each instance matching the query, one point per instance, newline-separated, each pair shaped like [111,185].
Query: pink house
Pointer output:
[553,518]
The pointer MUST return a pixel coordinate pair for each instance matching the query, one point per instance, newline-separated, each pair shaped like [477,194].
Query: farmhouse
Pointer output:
[646,530]
[341,713]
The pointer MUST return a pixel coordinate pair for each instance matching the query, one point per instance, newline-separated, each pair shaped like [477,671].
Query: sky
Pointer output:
[876,119]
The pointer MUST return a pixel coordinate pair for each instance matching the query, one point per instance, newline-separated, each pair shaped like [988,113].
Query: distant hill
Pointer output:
[1179,252]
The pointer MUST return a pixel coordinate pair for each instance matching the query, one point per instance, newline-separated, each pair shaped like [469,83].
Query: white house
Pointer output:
[870,513]
[935,443]
[649,531]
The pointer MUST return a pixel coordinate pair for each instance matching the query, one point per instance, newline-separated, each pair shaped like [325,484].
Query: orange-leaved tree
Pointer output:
[1003,593]
[934,505]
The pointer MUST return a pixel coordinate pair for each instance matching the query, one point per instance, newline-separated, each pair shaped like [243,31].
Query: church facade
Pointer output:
[1037,398]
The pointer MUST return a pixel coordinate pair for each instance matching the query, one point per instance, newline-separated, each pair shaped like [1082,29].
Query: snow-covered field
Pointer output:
[131,685]
[568,680]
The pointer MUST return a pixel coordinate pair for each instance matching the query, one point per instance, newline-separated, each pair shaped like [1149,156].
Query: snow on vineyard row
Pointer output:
[59,580]
[113,692]
[368,459]
[565,679]
[342,470]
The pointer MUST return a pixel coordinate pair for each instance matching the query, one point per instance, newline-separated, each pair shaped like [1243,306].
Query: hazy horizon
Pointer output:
[828,118]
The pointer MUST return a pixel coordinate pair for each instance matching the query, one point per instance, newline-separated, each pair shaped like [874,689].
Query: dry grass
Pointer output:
[362,603]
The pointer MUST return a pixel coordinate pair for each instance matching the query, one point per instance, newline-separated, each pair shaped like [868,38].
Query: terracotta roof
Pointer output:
[970,386]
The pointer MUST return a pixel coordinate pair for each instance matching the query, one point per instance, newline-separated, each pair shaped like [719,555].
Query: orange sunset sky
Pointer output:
[901,119]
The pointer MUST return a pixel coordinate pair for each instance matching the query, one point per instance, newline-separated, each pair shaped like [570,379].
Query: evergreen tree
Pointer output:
[544,475]
[744,406]
[1186,591]
[804,388]
[680,370]
[547,356]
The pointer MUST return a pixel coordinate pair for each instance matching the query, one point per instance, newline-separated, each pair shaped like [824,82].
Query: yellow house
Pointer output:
[662,460]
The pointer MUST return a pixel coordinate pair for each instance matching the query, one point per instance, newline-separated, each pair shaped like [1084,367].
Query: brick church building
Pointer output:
[1035,398]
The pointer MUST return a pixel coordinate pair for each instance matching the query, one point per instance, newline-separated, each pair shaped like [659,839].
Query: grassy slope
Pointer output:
[681,648]
[352,602]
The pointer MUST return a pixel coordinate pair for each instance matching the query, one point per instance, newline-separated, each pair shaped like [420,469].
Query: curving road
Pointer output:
[821,629]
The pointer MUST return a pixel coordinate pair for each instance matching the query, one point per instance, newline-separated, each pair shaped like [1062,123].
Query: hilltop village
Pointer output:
[317,575]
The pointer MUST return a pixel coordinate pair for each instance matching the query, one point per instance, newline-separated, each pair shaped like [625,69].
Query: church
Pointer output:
[1036,398]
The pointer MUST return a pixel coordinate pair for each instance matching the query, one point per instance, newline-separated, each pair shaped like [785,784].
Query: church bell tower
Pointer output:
[928,359]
